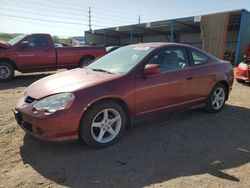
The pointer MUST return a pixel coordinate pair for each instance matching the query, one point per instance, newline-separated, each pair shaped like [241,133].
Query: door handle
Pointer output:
[189,78]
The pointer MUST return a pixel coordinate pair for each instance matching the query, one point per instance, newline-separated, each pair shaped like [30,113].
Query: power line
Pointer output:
[113,18]
[96,19]
[105,22]
[112,14]
[135,14]
[45,8]
[70,11]
[73,4]
[38,13]
[108,20]
[44,24]
[43,20]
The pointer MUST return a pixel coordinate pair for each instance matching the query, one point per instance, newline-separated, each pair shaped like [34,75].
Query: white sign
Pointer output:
[148,24]
[197,18]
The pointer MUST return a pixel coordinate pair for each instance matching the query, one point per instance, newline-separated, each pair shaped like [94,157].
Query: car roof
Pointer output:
[166,44]
[157,44]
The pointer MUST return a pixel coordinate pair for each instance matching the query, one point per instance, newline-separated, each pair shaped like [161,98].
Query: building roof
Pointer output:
[183,25]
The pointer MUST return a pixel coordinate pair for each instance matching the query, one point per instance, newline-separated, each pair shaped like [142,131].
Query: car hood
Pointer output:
[67,81]
[4,44]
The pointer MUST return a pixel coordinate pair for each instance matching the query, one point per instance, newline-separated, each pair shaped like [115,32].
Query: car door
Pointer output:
[203,73]
[172,87]
[35,52]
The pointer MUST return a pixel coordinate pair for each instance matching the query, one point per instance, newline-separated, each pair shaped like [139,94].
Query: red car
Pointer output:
[97,102]
[37,52]
[243,72]
[243,69]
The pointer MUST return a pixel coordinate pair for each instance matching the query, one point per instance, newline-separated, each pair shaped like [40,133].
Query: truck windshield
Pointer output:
[16,40]
[120,61]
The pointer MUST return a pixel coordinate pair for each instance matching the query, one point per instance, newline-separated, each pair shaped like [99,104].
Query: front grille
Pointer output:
[29,99]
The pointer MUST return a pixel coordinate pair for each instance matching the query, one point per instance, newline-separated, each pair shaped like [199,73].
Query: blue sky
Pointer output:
[70,18]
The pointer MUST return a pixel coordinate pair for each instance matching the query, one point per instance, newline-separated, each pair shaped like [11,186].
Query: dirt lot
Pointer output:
[187,149]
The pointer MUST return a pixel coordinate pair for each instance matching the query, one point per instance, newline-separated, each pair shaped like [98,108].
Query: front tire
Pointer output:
[216,100]
[7,72]
[103,124]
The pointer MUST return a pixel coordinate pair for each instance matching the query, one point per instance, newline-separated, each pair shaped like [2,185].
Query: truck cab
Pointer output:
[37,52]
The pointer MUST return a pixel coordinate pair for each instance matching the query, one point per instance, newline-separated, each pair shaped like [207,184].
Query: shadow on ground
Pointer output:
[22,80]
[156,150]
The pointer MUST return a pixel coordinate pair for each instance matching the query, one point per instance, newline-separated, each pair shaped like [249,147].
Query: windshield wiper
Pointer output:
[102,70]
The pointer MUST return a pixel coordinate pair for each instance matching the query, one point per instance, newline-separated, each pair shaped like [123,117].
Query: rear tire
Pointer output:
[7,72]
[85,61]
[103,124]
[216,100]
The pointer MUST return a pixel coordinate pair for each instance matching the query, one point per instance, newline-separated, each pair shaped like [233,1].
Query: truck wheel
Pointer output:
[7,72]
[103,124]
[85,61]
[216,99]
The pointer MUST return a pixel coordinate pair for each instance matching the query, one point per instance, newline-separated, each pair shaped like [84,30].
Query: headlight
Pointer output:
[243,66]
[54,103]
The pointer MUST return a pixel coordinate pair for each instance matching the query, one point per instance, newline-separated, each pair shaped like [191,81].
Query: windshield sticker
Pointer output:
[141,48]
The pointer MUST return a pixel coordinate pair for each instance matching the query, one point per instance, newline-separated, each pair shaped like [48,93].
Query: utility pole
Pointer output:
[90,19]
[139,19]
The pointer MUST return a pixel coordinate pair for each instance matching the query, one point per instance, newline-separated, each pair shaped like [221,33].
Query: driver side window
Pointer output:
[38,41]
[170,59]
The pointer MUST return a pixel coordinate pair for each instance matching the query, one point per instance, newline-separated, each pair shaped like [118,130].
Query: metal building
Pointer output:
[224,34]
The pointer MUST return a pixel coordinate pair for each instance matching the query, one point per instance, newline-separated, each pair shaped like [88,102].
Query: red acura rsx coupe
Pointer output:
[97,102]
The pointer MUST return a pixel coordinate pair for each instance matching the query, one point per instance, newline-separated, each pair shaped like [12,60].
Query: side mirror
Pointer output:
[152,69]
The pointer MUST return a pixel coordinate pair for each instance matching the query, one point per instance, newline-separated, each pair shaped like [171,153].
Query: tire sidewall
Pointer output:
[12,71]
[209,105]
[87,119]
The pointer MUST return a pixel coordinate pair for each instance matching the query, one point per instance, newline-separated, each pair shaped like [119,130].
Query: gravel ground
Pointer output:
[185,149]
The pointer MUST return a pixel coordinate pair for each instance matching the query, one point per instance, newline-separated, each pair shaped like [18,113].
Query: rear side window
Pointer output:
[199,58]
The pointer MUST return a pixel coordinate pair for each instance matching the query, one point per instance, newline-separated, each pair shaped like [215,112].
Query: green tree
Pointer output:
[6,37]
[56,39]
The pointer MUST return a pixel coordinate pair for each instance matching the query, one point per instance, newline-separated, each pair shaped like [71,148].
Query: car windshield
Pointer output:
[120,61]
[16,40]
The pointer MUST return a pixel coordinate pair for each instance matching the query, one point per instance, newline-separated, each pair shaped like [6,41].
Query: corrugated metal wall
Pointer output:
[214,33]
[144,39]
[243,37]
[193,39]
[126,40]
[99,39]
[155,38]
[231,44]
[231,41]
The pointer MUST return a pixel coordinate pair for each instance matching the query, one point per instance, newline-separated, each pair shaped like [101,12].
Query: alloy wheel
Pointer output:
[5,72]
[218,98]
[106,125]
